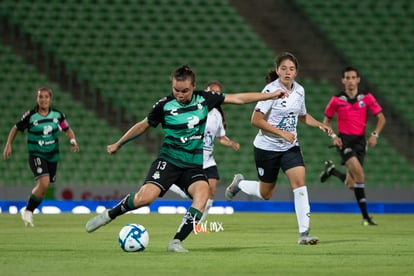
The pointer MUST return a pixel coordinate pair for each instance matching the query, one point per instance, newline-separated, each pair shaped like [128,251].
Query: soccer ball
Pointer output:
[133,238]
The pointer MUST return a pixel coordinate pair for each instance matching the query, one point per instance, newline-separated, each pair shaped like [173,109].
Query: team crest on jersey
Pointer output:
[156,175]
[47,130]
[361,104]
[55,120]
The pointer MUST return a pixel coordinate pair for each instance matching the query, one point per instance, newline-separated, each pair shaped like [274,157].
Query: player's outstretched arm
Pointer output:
[134,132]
[250,97]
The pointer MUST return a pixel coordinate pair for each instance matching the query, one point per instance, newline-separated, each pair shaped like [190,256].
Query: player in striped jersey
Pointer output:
[183,116]
[351,107]
[43,124]
[215,129]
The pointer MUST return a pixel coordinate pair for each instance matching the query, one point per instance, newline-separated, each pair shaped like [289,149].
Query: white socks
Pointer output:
[250,187]
[205,213]
[302,208]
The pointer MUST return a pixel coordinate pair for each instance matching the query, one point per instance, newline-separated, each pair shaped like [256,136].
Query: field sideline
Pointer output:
[260,243]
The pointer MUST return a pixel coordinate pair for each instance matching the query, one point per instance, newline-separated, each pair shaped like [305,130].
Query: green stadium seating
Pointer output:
[128,50]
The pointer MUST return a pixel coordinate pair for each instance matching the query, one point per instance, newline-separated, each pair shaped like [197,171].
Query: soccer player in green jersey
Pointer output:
[183,116]
[43,124]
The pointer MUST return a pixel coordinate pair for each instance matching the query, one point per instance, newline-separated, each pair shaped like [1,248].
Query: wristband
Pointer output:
[375,134]
[333,136]
[73,142]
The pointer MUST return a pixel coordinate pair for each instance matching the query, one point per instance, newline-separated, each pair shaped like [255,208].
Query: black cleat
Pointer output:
[327,171]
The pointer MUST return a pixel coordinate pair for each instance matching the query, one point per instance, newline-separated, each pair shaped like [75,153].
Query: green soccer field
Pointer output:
[246,243]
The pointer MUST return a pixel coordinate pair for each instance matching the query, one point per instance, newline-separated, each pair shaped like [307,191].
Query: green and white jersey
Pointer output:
[184,126]
[42,132]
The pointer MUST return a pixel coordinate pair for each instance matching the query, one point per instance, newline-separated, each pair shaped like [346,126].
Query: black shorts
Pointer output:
[41,167]
[212,172]
[268,163]
[352,145]
[163,174]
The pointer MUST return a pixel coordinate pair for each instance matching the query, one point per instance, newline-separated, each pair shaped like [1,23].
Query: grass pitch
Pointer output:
[260,243]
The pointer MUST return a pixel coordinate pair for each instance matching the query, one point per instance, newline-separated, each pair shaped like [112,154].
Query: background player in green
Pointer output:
[183,116]
[43,124]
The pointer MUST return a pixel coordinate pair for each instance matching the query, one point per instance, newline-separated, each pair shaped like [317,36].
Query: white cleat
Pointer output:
[27,217]
[233,188]
[175,246]
[98,221]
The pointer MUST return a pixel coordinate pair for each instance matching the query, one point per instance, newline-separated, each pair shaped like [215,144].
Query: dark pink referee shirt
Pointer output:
[352,113]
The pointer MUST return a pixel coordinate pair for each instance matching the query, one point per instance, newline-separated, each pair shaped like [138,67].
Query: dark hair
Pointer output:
[183,73]
[44,89]
[271,76]
[348,69]
[215,82]
[284,56]
[219,108]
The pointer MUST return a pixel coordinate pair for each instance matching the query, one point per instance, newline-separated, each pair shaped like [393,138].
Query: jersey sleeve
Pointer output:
[213,99]
[373,105]
[24,121]
[263,106]
[63,123]
[156,115]
[330,108]
[221,131]
[303,110]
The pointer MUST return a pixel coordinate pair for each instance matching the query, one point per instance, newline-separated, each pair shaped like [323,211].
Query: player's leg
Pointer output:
[212,183]
[294,168]
[199,191]
[296,177]
[267,166]
[356,172]
[160,172]
[44,173]
[144,197]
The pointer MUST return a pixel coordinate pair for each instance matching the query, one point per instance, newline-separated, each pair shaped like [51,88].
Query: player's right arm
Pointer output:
[8,147]
[133,133]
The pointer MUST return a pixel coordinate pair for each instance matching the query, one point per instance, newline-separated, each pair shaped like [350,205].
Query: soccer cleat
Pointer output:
[233,188]
[98,221]
[27,217]
[307,240]
[369,222]
[327,171]
[175,246]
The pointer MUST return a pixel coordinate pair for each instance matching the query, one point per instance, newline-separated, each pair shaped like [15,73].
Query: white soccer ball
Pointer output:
[133,238]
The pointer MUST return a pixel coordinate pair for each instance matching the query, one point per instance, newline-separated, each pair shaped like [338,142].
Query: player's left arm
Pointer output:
[373,138]
[226,141]
[72,139]
[310,121]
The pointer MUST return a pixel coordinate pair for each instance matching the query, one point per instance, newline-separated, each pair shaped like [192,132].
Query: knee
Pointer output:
[267,196]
